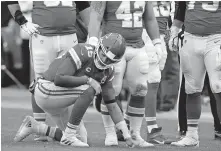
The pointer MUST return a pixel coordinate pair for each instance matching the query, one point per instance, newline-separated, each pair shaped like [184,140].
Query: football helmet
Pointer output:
[109,51]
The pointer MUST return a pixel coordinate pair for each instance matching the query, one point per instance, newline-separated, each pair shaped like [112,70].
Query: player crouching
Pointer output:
[83,71]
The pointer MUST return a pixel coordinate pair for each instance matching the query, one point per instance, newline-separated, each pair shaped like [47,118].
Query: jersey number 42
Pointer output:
[131,16]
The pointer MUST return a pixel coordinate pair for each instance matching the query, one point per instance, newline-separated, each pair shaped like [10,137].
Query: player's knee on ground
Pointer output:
[139,89]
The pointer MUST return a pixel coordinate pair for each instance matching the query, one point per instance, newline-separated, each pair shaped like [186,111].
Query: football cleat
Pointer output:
[25,129]
[111,140]
[138,141]
[72,140]
[120,136]
[155,136]
[217,135]
[188,140]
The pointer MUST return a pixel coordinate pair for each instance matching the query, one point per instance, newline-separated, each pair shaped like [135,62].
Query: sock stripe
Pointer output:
[105,113]
[39,116]
[150,119]
[126,117]
[71,126]
[135,110]
[135,115]
[48,131]
[192,121]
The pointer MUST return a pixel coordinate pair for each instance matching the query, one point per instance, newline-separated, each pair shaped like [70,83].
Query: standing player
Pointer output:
[200,53]
[128,18]
[84,70]
[163,11]
[54,23]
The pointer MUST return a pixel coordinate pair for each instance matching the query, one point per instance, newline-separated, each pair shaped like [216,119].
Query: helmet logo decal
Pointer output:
[88,69]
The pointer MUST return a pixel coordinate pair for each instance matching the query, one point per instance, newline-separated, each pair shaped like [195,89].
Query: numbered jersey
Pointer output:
[81,57]
[203,17]
[125,18]
[162,13]
[55,17]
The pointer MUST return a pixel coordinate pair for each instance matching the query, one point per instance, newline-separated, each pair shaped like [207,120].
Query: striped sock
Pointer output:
[135,113]
[192,127]
[71,128]
[40,117]
[109,125]
[151,123]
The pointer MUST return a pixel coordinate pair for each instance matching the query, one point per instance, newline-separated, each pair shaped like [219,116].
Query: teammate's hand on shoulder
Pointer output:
[173,42]
[94,84]
[30,28]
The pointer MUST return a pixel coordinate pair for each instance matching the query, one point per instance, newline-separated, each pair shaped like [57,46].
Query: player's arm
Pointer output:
[179,16]
[96,16]
[84,9]
[151,24]
[15,10]
[65,75]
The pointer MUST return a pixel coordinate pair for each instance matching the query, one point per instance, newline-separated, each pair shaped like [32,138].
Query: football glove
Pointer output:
[94,84]
[30,28]
[173,42]
[93,41]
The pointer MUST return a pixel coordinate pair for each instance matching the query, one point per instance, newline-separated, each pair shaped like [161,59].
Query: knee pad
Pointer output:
[139,89]
[215,86]
[40,61]
[154,76]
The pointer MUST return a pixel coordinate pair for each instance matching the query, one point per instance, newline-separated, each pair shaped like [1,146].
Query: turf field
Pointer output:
[15,105]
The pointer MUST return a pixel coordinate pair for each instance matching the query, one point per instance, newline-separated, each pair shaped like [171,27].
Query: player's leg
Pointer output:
[154,76]
[192,64]
[217,124]
[77,113]
[136,77]
[213,48]
[42,54]
[109,126]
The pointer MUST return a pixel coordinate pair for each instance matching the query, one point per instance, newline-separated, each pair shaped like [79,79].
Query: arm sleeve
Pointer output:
[81,5]
[108,92]
[180,9]
[65,75]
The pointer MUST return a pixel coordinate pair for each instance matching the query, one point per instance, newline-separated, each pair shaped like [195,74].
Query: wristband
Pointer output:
[93,41]
[19,18]
[156,41]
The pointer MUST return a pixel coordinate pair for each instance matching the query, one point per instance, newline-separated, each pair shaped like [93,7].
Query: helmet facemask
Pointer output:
[102,59]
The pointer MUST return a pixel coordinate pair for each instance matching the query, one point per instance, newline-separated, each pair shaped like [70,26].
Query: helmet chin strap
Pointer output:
[98,65]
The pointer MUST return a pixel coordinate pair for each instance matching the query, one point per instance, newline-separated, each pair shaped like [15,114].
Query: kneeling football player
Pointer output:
[83,71]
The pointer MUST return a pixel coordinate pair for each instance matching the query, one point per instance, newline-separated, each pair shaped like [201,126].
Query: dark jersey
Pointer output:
[203,17]
[125,18]
[81,57]
[6,15]
[55,17]
[162,13]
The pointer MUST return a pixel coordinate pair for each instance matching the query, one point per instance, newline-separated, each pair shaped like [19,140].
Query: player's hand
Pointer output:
[218,59]
[96,85]
[93,41]
[173,42]
[129,142]
[30,28]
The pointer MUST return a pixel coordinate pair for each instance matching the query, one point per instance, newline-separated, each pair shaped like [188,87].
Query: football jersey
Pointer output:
[55,17]
[203,17]
[81,56]
[125,18]
[162,14]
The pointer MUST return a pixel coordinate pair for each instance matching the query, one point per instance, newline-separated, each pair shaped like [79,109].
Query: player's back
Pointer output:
[203,17]
[55,17]
[125,18]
